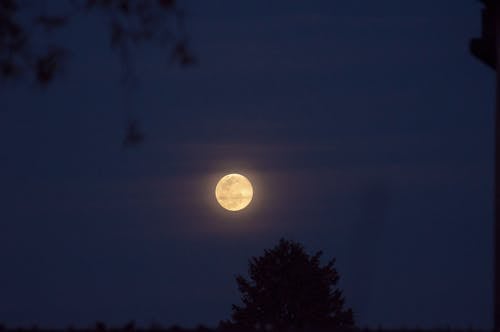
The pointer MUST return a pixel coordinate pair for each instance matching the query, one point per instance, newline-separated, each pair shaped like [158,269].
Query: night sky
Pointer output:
[366,128]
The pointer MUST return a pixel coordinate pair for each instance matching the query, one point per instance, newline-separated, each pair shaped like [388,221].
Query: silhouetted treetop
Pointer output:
[288,288]
[25,24]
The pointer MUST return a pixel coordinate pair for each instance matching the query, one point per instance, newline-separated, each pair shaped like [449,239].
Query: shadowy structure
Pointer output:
[26,29]
[131,22]
[487,49]
[289,289]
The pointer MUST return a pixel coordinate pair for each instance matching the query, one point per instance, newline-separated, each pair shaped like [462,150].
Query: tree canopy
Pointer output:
[288,288]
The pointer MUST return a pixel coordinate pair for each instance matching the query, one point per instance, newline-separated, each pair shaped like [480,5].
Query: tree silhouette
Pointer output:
[287,288]
[26,27]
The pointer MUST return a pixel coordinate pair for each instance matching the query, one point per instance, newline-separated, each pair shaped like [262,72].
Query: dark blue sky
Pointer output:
[365,126]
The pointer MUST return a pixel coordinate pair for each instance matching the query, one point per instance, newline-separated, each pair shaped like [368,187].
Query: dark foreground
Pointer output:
[130,327]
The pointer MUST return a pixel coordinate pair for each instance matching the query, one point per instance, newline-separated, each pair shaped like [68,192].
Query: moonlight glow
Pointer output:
[234,192]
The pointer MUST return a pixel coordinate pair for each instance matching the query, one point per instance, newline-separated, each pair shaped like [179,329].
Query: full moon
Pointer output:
[234,192]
